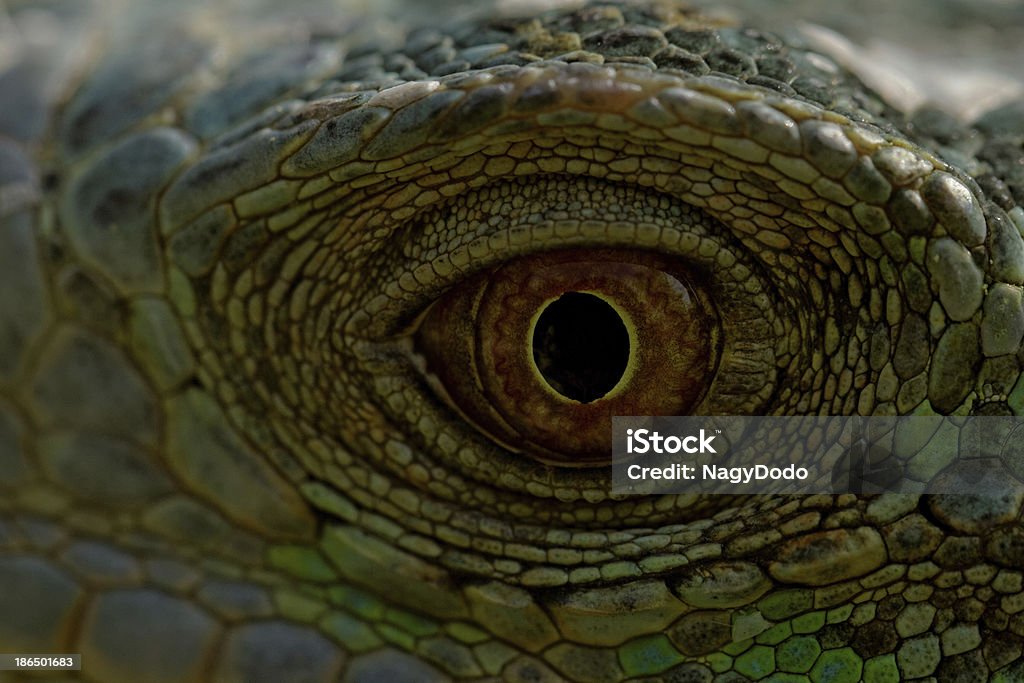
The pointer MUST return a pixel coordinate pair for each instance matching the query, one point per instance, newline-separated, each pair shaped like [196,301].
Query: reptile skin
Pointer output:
[221,459]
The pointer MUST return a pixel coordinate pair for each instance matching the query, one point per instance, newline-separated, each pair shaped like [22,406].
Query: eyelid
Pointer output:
[419,268]
[753,310]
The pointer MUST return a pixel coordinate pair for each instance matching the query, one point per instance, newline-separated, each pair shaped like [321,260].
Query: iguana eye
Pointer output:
[541,352]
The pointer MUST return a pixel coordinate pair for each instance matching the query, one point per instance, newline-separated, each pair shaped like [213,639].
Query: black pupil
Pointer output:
[581,346]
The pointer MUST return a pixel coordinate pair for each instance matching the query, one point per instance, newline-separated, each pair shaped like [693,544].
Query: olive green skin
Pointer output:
[220,461]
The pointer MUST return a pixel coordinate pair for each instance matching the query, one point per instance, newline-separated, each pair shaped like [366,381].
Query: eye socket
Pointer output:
[540,353]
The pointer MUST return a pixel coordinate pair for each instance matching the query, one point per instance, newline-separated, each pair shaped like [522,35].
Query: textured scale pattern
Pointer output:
[217,462]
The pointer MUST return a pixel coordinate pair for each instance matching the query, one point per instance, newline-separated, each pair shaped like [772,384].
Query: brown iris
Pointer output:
[540,353]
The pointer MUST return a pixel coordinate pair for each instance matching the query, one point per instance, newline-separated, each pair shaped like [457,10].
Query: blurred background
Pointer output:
[966,56]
